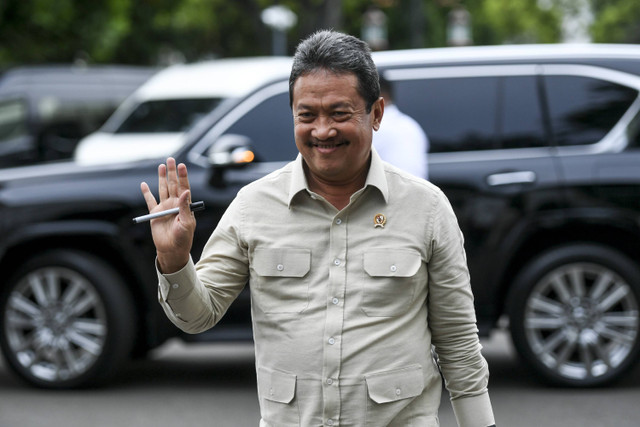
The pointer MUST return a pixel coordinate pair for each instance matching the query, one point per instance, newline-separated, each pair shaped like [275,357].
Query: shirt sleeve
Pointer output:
[196,297]
[452,321]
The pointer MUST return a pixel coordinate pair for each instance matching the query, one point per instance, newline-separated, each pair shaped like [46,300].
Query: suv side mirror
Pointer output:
[231,150]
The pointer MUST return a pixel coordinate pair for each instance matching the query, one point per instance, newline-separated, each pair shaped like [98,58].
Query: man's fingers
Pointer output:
[173,183]
[172,177]
[183,179]
[183,203]
[148,196]
[163,189]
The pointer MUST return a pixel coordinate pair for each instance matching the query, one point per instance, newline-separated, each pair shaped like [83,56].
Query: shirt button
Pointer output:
[335,301]
[329,381]
[336,261]
[393,268]
[329,422]
[398,392]
[332,341]
[280,267]
[338,221]
[175,286]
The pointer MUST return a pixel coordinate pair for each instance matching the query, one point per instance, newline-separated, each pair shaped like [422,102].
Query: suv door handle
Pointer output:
[521,177]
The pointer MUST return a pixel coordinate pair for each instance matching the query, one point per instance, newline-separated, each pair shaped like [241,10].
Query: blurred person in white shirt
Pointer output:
[401,140]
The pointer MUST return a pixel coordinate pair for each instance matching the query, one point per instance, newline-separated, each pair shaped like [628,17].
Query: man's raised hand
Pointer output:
[173,234]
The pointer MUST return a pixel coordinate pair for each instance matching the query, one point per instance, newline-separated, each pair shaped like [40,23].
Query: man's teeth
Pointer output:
[328,145]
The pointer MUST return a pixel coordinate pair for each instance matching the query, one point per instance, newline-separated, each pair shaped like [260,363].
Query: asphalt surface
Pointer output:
[214,385]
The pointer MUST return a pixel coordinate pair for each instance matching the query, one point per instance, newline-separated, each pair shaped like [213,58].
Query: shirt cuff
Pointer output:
[473,411]
[172,286]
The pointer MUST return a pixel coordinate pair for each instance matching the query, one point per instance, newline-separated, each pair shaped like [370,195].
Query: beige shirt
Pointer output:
[345,304]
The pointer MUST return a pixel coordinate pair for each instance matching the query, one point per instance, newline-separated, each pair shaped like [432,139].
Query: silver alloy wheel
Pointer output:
[581,320]
[55,324]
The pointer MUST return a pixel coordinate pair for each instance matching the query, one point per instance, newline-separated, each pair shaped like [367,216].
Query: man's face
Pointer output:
[332,129]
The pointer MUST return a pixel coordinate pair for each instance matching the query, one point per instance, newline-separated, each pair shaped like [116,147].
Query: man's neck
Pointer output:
[338,194]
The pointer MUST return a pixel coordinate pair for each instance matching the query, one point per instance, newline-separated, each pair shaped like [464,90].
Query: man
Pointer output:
[400,140]
[356,268]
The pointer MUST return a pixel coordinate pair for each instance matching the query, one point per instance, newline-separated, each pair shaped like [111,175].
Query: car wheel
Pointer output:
[68,320]
[574,315]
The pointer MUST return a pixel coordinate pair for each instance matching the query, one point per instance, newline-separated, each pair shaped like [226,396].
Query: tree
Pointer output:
[514,21]
[616,21]
[33,31]
[128,31]
[150,32]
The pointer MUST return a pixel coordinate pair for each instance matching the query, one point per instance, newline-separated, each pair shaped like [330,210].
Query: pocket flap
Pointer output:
[397,384]
[281,262]
[276,385]
[392,262]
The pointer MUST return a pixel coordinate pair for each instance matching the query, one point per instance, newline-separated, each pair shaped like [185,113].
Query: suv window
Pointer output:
[583,110]
[633,133]
[451,122]
[475,113]
[521,121]
[271,121]
[13,119]
[175,115]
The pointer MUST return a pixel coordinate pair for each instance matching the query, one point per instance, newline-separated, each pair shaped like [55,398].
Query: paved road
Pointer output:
[214,385]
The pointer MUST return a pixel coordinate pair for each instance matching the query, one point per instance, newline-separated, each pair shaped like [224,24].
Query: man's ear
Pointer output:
[377,109]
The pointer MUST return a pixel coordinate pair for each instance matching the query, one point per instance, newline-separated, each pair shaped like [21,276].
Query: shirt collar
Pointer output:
[375,178]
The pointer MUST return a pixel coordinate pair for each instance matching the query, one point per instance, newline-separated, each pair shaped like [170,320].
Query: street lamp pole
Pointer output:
[459,27]
[279,19]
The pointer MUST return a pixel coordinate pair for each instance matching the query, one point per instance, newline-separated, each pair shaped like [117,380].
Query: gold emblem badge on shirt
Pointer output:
[379,220]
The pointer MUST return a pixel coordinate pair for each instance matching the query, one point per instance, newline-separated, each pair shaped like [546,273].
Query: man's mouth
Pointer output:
[327,145]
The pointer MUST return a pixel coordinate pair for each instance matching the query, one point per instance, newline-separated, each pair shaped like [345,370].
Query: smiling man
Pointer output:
[333,128]
[357,269]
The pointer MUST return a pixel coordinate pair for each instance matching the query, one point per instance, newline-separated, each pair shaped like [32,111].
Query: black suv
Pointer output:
[537,147]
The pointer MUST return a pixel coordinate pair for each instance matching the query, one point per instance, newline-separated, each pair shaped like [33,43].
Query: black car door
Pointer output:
[491,155]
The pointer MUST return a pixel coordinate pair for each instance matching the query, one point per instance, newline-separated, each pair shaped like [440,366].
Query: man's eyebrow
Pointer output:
[341,104]
[338,104]
[303,107]
[334,106]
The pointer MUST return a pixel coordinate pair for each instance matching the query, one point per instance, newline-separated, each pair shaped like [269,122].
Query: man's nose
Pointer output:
[324,128]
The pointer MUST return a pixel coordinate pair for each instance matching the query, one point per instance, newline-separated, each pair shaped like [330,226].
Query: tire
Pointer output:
[574,315]
[68,320]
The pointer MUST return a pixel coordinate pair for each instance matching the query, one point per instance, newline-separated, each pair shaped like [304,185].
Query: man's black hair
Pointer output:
[338,53]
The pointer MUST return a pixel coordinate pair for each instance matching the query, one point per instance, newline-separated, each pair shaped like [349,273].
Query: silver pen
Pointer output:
[195,206]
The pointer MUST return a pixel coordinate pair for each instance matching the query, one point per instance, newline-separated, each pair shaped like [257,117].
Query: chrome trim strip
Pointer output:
[500,53]
[593,71]
[461,72]
[490,155]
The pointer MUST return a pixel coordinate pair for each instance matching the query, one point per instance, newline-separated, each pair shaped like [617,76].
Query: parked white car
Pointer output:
[153,121]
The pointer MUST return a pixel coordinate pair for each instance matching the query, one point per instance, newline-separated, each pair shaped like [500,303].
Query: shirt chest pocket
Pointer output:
[279,282]
[390,282]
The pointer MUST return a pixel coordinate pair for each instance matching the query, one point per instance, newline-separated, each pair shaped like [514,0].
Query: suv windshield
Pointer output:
[175,115]
[13,119]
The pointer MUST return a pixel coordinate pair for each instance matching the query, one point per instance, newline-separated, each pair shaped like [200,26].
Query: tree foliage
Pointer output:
[150,32]
[616,21]
[515,21]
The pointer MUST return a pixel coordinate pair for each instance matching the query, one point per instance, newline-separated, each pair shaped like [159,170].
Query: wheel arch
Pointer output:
[621,236]
[99,239]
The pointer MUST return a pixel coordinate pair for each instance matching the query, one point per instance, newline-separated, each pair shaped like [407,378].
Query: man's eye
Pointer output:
[305,116]
[340,115]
